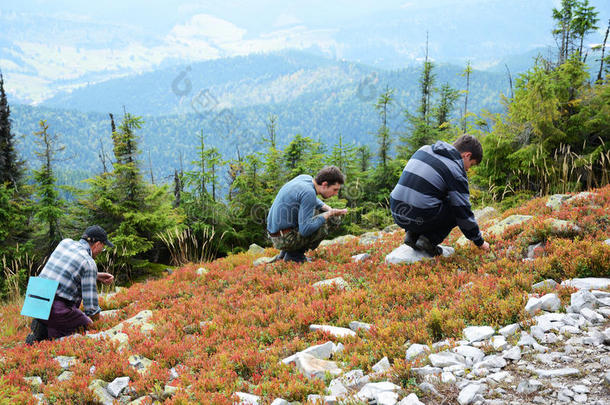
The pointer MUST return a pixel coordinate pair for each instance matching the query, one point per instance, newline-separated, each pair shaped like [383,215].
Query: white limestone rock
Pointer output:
[356,326]
[448,377]
[478,333]
[446,359]
[416,350]
[342,240]
[546,284]
[485,214]
[337,388]
[555,201]
[312,367]
[263,260]
[509,330]
[369,238]
[34,381]
[491,362]
[117,386]
[280,401]
[361,257]
[254,249]
[323,352]
[372,391]
[407,255]
[468,393]
[529,386]
[338,282]
[550,302]
[201,271]
[587,283]
[333,330]
[562,372]
[512,220]
[472,354]
[247,399]
[410,399]
[98,387]
[591,316]
[65,362]
[499,342]
[382,365]
[514,354]
[65,376]
[533,305]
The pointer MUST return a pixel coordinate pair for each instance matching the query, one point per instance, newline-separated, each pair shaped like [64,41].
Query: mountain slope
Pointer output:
[210,330]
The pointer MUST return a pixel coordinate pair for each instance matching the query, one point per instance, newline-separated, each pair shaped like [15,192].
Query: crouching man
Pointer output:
[432,195]
[298,220]
[72,265]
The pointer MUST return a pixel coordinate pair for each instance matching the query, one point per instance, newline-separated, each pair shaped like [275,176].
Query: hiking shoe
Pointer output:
[424,244]
[411,239]
[298,257]
[39,332]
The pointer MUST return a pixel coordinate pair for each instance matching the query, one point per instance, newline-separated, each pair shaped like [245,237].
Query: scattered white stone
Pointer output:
[550,302]
[468,393]
[513,354]
[562,372]
[556,200]
[546,284]
[446,359]
[201,271]
[591,315]
[247,399]
[332,330]
[382,366]
[263,260]
[361,257]
[406,254]
[426,370]
[372,390]
[529,386]
[499,342]
[527,340]
[312,367]
[355,326]
[98,387]
[34,381]
[500,376]
[351,378]
[533,305]
[448,378]
[280,401]
[65,362]
[588,283]
[65,376]
[509,330]
[337,388]
[472,354]
[478,333]
[255,249]
[410,399]
[491,362]
[338,282]
[117,386]
[416,350]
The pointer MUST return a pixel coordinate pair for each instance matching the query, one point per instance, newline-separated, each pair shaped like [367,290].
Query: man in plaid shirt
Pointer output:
[72,264]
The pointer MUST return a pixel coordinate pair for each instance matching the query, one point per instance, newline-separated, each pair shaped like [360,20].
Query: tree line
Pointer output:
[553,136]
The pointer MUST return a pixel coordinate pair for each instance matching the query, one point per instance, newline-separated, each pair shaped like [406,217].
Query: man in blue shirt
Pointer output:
[72,265]
[298,220]
[432,194]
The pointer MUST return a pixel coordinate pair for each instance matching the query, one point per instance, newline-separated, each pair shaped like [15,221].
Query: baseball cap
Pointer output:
[96,233]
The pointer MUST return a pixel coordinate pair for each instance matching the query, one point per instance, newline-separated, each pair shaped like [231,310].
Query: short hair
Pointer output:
[330,174]
[468,143]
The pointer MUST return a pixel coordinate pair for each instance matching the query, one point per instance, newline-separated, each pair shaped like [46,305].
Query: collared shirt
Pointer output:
[294,207]
[72,265]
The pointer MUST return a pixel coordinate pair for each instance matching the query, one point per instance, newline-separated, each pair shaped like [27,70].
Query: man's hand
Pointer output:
[105,278]
[334,212]
[484,246]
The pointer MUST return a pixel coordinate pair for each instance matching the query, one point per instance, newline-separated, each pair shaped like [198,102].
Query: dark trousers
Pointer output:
[65,318]
[435,227]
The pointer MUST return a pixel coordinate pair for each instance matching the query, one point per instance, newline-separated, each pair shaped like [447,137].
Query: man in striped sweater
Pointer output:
[432,195]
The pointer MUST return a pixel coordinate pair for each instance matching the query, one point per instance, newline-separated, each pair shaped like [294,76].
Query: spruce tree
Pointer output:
[10,167]
[49,207]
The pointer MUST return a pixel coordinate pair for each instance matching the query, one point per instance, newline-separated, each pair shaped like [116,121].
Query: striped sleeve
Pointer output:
[459,198]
